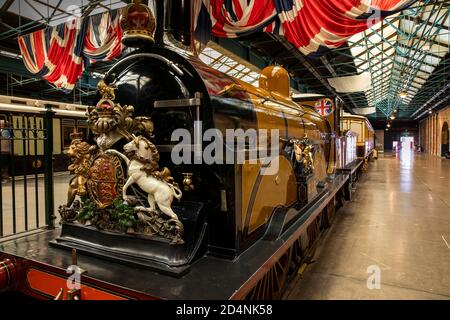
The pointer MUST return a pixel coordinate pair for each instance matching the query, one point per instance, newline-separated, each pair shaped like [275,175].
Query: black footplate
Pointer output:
[151,252]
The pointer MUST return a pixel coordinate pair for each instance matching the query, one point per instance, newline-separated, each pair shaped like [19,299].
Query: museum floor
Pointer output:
[399,220]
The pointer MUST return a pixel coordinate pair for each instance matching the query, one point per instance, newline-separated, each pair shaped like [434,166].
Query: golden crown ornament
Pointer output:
[138,25]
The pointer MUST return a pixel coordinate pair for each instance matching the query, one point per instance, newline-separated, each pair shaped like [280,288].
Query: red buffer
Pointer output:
[8,274]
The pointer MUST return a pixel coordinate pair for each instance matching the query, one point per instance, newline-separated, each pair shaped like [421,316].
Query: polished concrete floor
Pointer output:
[398,224]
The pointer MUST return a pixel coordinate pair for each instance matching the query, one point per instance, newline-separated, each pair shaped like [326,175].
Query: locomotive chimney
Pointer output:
[159,13]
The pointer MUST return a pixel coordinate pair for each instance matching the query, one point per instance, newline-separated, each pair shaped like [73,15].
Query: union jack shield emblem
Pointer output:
[324,107]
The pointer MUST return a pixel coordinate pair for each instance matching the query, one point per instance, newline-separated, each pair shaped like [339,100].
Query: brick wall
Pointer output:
[430,131]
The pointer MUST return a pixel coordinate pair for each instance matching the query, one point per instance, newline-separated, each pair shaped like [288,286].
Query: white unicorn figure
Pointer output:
[160,191]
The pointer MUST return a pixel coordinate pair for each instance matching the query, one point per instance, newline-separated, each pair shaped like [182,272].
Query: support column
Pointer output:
[439,136]
[48,168]
[429,135]
[433,137]
[435,134]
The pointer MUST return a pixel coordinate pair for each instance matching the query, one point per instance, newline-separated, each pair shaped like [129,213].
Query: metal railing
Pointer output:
[26,162]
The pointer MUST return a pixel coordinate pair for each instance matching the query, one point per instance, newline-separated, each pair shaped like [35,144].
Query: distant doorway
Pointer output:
[444,140]
[407,144]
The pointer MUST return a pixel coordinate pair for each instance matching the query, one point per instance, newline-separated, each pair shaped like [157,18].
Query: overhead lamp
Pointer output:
[403,94]
[417,20]
[392,117]
[430,112]
[388,125]
[387,129]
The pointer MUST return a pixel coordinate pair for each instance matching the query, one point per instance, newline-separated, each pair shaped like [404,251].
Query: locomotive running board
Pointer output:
[209,277]
[192,102]
[284,217]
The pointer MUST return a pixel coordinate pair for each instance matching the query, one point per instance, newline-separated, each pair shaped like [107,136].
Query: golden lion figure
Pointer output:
[80,154]
[308,161]
[107,91]
[304,155]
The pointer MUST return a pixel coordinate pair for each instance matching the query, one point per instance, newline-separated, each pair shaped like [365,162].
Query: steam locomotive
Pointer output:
[246,232]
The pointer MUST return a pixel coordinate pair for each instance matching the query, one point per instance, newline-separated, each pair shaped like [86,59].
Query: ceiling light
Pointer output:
[387,129]
[403,94]
[430,112]
[388,125]
[417,20]
[392,117]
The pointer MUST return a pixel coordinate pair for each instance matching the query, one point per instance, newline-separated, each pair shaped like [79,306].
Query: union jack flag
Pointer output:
[324,107]
[312,26]
[60,54]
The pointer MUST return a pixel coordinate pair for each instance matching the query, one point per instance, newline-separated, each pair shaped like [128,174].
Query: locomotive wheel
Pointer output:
[329,213]
[323,224]
[313,231]
[296,258]
[272,285]
[339,199]
[365,166]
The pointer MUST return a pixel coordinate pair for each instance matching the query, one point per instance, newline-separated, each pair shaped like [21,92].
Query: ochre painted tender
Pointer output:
[273,109]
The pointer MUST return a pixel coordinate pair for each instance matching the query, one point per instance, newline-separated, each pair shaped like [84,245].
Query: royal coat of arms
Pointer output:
[123,160]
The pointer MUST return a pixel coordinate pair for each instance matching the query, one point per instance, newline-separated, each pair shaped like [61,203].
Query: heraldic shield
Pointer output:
[105,180]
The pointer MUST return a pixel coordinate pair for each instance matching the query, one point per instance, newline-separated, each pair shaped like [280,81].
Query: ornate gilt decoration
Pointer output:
[138,24]
[80,153]
[106,178]
[69,214]
[104,174]
[188,184]
[112,122]
[154,224]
